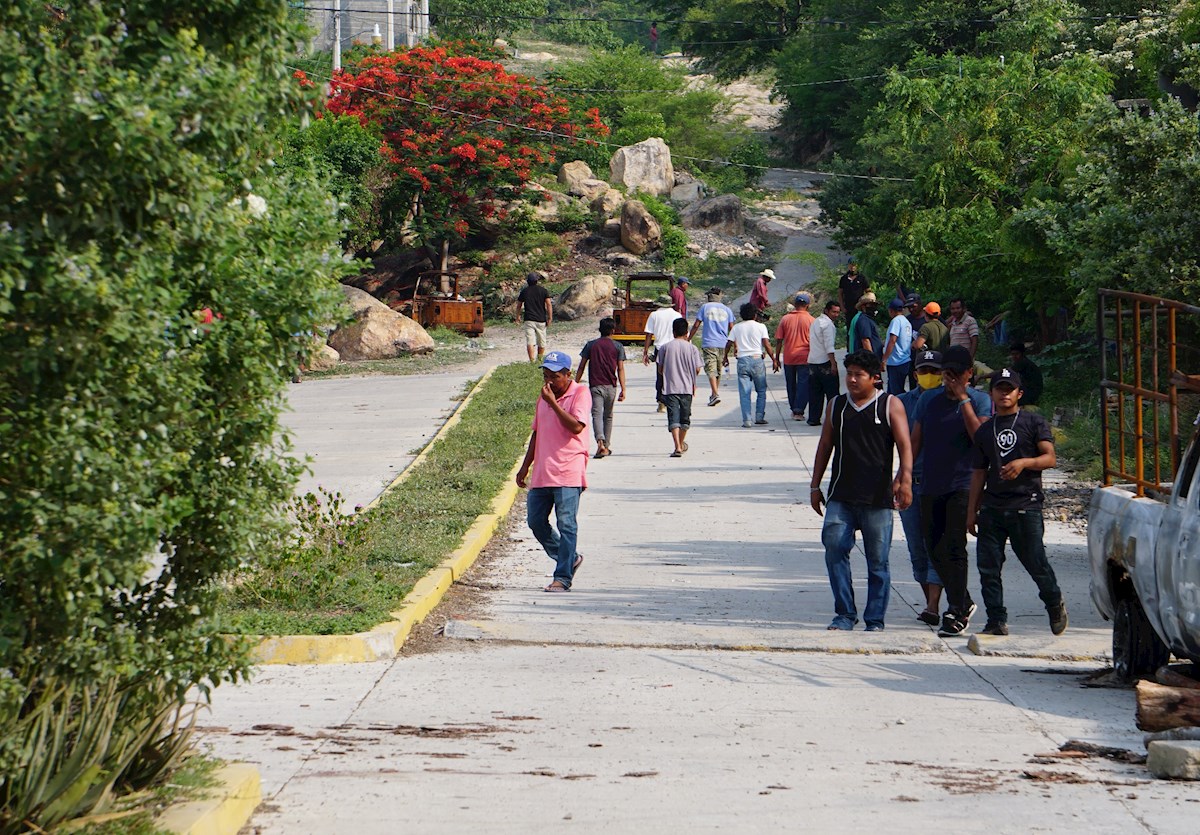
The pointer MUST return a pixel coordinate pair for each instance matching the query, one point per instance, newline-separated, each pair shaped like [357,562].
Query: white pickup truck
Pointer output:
[1145,556]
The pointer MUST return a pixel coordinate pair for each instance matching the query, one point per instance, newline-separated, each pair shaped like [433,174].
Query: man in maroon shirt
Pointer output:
[679,295]
[758,296]
[605,359]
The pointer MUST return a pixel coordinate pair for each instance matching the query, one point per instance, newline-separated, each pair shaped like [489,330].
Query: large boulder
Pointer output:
[377,332]
[586,297]
[606,204]
[719,214]
[685,194]
[611,228]
[573,173]
[322,358]
[645,166]
[589,190]
[640,232]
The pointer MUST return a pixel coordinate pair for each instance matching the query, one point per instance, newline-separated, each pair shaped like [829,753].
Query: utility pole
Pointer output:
[337,34]
[391,25]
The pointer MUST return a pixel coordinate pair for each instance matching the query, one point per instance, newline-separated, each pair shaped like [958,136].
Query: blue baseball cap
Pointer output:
[557,361]
[803,298]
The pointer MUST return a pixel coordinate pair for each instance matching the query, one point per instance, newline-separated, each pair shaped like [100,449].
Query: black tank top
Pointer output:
[863,449]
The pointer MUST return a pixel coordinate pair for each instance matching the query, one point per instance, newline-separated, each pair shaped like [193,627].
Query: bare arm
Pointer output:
[1045,459]
[549,311]
[692,332]
[902,484]
[918,343]
[974,345]
[571,423]
[767,350]
[579,371]
[621,378]
[523,473]
[978,477]
[821,461]
[646,351]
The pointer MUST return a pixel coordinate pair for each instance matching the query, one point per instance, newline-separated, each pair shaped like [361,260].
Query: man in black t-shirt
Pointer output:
[851,287]
[534,302]
[1005,503]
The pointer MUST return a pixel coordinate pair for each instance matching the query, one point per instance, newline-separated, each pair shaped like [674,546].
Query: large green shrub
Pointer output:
[154,272]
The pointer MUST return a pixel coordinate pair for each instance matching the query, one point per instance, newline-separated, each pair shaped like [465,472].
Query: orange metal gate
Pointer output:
[1144,340]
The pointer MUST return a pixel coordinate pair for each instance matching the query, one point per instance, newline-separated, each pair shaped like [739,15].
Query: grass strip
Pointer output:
[339,575]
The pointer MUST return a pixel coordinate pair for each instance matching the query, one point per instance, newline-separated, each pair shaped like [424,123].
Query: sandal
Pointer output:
[578,562]
[685,446]
[929,618]
[556,586]
[676,454]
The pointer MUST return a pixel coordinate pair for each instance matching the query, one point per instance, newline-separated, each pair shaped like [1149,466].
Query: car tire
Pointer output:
[1137,650]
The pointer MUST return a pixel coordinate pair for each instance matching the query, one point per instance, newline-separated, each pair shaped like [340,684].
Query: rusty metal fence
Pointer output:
[1143,341]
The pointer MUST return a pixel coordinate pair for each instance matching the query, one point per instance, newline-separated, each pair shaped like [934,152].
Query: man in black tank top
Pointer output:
[860,431]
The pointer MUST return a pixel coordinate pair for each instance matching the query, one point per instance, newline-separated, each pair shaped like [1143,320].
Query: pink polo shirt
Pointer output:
[559,457]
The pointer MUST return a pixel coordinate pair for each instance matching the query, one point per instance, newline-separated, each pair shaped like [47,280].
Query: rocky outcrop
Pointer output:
[640,232]
[589,190]
[586,297]
[574,173]
[645,166]
[720,214]
[377,331]
[606,204]
[611,228]
[547,204]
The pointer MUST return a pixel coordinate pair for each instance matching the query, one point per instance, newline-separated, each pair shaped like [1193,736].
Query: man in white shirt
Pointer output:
[750,340]
[822,365]
[658,327]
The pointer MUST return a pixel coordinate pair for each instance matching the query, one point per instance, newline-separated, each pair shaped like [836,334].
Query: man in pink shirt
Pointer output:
[555,466]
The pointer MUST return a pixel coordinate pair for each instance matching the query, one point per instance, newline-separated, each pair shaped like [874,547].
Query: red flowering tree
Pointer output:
[460,134]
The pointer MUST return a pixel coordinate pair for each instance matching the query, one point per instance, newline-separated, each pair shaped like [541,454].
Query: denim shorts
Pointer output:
[679,410]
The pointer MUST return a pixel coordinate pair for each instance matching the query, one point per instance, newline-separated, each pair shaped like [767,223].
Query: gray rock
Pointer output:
[1177,760]
[573,173]
[547,204]
[586,297]
[377,331]
[645,166]
[589,190]
[720,214]
[682,178]
[640,232]
[611,228]
[687,193]
[621,257]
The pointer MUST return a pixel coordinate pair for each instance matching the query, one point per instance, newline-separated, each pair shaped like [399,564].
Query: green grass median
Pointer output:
[330,573]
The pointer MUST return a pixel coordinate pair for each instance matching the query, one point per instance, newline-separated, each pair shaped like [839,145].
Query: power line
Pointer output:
[571,138]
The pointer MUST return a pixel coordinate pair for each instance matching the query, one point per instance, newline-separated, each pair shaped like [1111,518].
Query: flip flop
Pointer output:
[578,562]
[685,446]
[556,586]
[676,454]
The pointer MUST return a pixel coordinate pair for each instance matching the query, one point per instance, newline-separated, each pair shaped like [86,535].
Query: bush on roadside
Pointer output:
[154,276]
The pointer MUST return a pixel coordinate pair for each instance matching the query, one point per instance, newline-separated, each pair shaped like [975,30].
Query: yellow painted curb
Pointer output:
[385,640]
[234,800]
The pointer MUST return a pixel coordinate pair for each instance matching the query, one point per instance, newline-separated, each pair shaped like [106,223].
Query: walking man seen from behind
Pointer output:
[823,382]
[604,359]
[791,348]
[534,302]
[713,320]
[679,362]
[862,428]
[750,342]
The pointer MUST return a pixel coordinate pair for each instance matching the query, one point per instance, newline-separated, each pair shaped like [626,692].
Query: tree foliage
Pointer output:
[483,19]
[153,274]
[460,135]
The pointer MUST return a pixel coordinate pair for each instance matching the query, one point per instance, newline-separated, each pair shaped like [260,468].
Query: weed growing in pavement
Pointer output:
[336,574]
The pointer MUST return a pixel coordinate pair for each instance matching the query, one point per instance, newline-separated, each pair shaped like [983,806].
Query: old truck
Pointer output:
[630,312]
[436,302]
[1143,531]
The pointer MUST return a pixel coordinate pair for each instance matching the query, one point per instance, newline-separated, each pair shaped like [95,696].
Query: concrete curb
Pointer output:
[233,802]
[386,639]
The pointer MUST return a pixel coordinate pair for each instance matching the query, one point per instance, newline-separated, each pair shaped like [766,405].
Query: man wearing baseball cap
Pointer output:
[945,421]
[679,295]
[897,354]
[933,335]
[555,466]
[791,348]
[1005,503]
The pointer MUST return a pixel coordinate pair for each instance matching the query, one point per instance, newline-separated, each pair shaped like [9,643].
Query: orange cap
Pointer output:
[933,309]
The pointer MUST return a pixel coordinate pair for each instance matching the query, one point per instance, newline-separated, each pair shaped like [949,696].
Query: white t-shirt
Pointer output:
[820,339]
[659,324]
[748,335]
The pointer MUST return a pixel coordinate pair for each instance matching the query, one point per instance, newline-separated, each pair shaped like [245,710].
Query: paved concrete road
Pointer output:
[687,682]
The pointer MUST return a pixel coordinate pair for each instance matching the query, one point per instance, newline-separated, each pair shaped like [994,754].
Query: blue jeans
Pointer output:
[897,376]
[796,378]
[837,535]
[1024,529]
[752,375]
[923,570]
[560,544]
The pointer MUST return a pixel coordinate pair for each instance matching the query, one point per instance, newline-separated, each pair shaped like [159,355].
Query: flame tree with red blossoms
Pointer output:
[461,135]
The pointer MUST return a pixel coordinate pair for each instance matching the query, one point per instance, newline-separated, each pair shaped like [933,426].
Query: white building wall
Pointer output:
[411,21]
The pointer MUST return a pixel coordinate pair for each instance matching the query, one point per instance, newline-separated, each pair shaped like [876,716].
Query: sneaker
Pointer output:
[746,424]
[966,619]
[713,400]
[875,627]
[995,627]
[1058,618]
[951,626]
[761,421]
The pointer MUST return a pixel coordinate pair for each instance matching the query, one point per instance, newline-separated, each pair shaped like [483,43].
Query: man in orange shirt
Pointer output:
[791,344]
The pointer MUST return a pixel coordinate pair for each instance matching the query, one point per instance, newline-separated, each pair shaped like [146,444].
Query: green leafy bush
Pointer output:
[155,273]
[674,245]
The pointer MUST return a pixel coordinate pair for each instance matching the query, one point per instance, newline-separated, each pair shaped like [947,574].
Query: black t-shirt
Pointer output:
[1006,438]
[534,297]
[862,453]
[853,287]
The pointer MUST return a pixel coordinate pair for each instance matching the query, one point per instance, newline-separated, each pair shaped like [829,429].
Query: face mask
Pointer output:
[929,381]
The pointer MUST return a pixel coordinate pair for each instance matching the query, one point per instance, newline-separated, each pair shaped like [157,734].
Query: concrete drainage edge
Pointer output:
[237,795]
[386,639]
